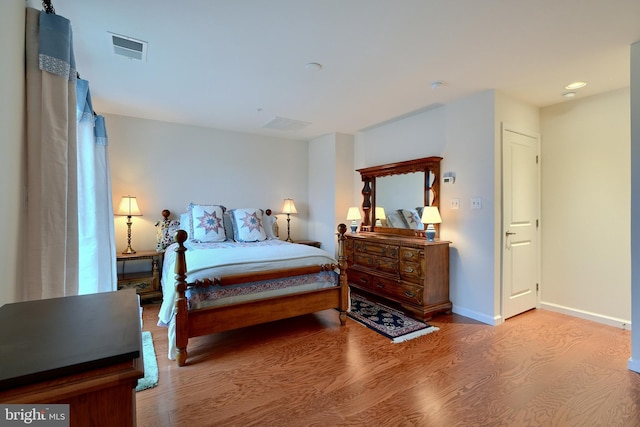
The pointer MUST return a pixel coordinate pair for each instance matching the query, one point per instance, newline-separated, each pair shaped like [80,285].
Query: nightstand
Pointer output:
[147,281]
[308,243]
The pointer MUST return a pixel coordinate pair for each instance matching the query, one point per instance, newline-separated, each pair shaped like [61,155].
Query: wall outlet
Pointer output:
[455,203]
[476,203]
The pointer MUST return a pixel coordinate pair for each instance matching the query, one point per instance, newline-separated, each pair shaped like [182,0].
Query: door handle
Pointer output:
[509,233]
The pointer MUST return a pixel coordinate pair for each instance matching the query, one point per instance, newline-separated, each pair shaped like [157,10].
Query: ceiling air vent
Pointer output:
[280,123]
[129,47]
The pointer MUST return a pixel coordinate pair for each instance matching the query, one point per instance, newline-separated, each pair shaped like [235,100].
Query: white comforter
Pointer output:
[208,260]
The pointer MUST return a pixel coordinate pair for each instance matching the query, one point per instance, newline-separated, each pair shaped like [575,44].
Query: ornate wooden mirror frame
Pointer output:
[428,165]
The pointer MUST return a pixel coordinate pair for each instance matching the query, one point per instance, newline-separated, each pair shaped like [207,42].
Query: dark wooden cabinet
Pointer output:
[409,271]
[84,351]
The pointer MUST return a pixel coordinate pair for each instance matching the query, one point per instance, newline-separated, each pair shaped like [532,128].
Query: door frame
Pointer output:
[515,129]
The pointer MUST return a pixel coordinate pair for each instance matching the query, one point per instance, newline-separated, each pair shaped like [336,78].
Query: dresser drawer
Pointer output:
[412,271]
[411,254]
[390,251]
[388,265]
[400,291]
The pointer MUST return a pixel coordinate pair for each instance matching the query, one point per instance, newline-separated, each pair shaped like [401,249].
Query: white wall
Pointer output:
[330,186]
[470,154]
[169,165]
[586,209]
[12,123]
[634,361]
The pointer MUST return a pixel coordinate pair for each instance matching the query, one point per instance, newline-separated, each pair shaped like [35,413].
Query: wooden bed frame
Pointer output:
[205,321]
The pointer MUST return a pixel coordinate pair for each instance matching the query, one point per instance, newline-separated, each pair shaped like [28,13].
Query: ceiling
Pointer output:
[236,65]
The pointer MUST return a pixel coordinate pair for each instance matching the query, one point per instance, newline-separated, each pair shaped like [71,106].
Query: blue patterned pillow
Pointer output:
[247,225]
[206,223]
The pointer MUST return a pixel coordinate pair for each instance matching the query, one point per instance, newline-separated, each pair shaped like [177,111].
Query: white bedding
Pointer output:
[209,260]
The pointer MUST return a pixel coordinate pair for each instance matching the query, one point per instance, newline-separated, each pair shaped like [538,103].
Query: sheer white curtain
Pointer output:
[97,257]
[52,256]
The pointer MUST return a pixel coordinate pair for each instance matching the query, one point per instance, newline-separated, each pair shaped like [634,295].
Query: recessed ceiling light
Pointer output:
[569,94]
[437,84]
[313,66]
[575,85]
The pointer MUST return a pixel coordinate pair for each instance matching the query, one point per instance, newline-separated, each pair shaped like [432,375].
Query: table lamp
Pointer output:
[129,207]
[380,215]
[430,216]
[288,208]
[353,215]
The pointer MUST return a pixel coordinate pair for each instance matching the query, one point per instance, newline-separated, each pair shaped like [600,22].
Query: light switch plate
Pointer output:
[476,203]
[455,203]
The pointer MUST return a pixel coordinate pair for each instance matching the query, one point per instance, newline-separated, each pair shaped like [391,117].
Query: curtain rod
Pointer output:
[48,7]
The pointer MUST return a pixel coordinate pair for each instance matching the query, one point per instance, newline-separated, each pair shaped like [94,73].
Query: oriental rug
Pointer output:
[150,378]
[387,321]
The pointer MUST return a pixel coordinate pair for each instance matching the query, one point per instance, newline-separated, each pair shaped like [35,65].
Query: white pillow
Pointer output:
[411,218]
[393,220]
[185,223]
[206,223]
[247,225]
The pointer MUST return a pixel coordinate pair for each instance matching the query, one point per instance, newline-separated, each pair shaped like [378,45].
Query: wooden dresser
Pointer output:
[406,270]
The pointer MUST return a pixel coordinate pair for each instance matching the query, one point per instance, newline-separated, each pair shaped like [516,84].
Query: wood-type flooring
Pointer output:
[537,369]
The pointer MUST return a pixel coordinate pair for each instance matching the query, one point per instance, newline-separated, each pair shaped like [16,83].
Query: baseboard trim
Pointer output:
[480,317]
[587,315]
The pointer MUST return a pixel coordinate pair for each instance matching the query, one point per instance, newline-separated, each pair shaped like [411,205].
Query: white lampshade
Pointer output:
[430,215]
[353,214]
[380,213]
[128,207]
[288,207]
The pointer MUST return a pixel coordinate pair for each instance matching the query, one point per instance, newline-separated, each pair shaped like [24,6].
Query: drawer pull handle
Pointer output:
[410,255]
[363,280]
[409,294]
[379,285]
[408,270]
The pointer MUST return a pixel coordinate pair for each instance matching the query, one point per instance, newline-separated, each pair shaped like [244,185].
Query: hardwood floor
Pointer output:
[538,369]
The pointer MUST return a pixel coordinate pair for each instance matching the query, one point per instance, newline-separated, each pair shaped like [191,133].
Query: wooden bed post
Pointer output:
[181,320]
[344,284]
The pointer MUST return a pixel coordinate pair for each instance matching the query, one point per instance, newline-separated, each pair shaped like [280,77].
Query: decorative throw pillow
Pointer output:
[411,218]
[270,224]
[394,221]
[165,230]
[247,225]
[206,223]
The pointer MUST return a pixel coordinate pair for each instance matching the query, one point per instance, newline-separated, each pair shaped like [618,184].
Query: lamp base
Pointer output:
[129,250]
[430,232]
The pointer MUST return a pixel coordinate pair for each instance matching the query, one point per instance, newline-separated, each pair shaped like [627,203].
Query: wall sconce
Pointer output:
[288,208]
[353,215]
[129,207]
[380,215]
[430,216]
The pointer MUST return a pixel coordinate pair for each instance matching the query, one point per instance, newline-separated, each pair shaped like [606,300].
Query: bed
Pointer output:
[231,282]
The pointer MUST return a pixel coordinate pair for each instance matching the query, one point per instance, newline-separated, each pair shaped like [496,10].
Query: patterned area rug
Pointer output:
[150,378]
[387,321]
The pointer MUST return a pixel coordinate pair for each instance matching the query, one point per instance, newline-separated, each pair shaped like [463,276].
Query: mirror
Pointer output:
[394,194]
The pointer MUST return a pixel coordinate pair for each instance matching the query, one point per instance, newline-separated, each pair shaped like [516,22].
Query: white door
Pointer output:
[520,229]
